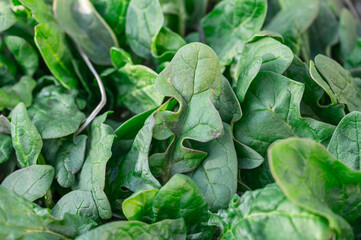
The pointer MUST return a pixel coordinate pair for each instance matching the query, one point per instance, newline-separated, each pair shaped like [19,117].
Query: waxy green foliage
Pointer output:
[180,119]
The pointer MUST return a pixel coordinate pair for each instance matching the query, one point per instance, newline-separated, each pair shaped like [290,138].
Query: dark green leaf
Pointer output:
[6,148]
[25,137]
[55,113]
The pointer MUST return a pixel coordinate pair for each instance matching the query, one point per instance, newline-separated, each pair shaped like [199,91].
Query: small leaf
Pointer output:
[10,96]
[135,88]
[24,54]
[69,160]
[31,182]
[120,57]
[52,45]
[7,17]
[26,139]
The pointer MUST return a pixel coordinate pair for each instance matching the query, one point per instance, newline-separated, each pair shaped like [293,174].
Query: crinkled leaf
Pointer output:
[134,230]
[313,179]
[267,214]
[26,139]
[53,48]
[345,143]
[231,23]
[144,21]
[92,175]
[266,54]
[179,197]
[87,28]
[135,88]
[192,77]
[69,160]
[6,147]
[28,221]
[271,111]
[55,113]
[30,182]
[24,54]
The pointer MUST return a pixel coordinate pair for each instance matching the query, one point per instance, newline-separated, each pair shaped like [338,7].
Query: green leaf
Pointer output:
[92,175]
[7,17]
[311,105]
[323,33]
[167,229]
[4,125]
[69,160]
[318,182]
[120,57]
[293,20]
[227,104]
[354,59]
[192,77]
[143,23]
[77,202]
[55,113]
[41,11]
[135,88]
[6,148]
[24,54]
[166,44]
[340,85]
[53,48]
[31,182]
[271,111]
[139,206]
[220,161]
[267,214]
[175,15]
[87,28]
[29,221]
[26,139]
[22,91]
[135,173]
[265,54]
[114,13]
[231,23]
[347,32]
[179,197]
[346,141]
